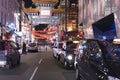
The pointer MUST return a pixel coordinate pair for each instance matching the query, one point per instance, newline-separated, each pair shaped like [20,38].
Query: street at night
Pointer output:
[59,39]
[38,66]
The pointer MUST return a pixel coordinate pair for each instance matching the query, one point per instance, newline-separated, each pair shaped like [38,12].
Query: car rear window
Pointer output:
[71,46]
[32,44]
[1,45]
[60,45]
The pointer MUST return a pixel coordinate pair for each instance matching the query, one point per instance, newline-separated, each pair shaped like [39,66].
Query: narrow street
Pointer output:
[73,39]
[38,66]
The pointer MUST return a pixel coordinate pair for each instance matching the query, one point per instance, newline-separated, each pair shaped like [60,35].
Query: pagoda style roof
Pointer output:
[58,10]
[32,10]
[44,1]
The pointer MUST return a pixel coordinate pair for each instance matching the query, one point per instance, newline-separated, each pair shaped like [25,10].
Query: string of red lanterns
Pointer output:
[44,33]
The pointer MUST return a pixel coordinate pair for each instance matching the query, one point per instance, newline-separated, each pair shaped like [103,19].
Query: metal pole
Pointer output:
[20,26]
[66,17]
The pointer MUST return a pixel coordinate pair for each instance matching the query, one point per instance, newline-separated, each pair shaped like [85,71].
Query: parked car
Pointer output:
[32,47]
[9,54]
[67,55]
[79,50]
[56,50]
[99,60]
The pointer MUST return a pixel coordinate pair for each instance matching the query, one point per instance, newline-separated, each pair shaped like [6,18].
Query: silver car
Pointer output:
[32,47]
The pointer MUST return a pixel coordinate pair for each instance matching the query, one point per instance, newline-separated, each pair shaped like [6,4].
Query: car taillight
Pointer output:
[5,48]
[5,54]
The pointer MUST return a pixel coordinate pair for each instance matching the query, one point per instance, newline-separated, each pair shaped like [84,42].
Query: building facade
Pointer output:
[9,15]
[91,11]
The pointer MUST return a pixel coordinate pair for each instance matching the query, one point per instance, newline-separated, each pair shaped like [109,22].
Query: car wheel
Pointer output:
[9,65]
[18,61]
[58,57]
[65,65]
[61,60]
[37,50]
[77,75]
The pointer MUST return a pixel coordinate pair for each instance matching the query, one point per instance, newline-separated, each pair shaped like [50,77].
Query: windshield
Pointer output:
[60,45]
[71,46]
[32,44]
[115,50]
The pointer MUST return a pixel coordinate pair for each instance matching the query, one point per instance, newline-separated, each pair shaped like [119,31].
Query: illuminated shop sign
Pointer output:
[42,20]
[45,11]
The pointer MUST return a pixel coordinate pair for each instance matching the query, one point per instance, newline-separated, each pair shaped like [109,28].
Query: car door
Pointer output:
[113,59]
[96,55]
[15,53]
[85,69]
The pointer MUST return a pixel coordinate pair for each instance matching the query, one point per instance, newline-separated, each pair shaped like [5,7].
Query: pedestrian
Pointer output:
[40,47]
[24,48]
[17,45]
[46,47]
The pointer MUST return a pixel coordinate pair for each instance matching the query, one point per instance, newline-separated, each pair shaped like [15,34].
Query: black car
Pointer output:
[9,54]
[67,54]
[99,60]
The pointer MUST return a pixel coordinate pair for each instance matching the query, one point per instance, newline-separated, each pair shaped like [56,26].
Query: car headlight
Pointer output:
[69,57]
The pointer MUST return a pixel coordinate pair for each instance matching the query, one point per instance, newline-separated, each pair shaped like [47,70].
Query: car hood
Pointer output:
[69,51]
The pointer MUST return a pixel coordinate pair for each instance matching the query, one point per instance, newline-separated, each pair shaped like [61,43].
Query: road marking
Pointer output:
[40,61]
[33,74]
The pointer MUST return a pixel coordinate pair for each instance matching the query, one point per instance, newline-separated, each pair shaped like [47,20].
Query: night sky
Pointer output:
[28,3]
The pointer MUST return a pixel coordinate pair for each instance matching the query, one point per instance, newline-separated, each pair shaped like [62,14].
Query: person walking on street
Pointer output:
[46,47]
[24,48]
